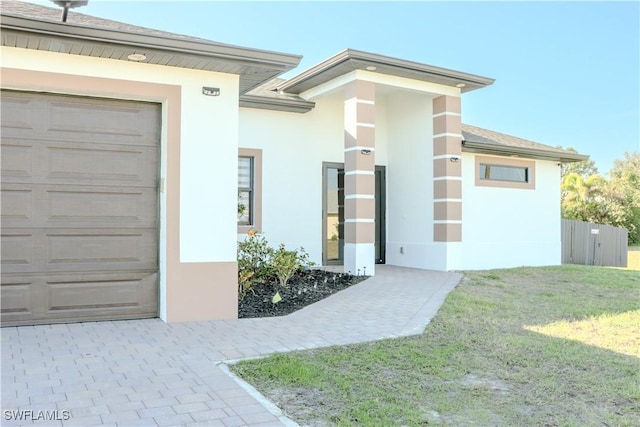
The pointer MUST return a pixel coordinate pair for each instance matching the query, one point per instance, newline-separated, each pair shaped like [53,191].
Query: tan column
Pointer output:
[447,171]
[359,178]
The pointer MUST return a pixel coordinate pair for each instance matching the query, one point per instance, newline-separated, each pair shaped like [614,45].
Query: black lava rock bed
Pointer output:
[304,288]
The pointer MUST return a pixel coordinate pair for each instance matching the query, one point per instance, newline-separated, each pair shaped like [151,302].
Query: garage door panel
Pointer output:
[16,160]
[101,250]
[101,206]
[19,251]
[109,120]
[99,166]
[18,112]
[17,205]
[87,163]
[67,118]
[56,250]
[16,297]
[78,297]
[79,206]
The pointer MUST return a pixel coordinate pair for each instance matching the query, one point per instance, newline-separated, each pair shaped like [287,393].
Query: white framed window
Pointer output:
[505,172]
[245,190]
[249,190]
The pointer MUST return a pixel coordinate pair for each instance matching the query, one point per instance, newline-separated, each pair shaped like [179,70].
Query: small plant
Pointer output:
[255,254]
[254,262]
[245,284]
[285,264]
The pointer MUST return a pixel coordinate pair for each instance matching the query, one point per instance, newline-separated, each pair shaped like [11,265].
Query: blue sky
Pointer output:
[567,73]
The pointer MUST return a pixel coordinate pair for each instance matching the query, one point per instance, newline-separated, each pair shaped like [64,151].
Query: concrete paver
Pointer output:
[147,372]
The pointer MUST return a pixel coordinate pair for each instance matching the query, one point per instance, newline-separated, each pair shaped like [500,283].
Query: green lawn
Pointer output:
[525,346]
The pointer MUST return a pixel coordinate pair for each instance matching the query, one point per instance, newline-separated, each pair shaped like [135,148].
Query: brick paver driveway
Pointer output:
[147,372]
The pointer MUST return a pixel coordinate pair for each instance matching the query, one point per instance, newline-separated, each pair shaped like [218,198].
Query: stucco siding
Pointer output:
[198,155]
[294,148]
[410,183]
[508,227]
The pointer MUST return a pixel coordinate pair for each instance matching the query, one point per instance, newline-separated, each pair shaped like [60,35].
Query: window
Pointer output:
[505,172]
[245,191]
[249,190]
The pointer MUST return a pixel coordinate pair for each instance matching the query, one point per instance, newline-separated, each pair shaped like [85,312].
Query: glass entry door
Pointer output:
[333,214]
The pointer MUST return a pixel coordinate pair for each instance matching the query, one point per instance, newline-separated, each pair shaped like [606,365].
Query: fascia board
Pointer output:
[276,104]
[503,150]
[254,57]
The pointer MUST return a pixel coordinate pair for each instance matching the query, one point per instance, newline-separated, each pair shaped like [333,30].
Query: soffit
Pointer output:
[114,40]
[350,60]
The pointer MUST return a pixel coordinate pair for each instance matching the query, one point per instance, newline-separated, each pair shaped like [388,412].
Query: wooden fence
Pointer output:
[587,243]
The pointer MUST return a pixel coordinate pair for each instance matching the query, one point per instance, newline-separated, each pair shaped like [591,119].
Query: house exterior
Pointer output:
[125,151]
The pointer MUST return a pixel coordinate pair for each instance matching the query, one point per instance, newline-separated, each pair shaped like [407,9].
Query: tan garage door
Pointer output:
[79,208]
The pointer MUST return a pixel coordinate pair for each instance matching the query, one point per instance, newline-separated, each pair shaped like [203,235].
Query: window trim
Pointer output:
[256,155]
[506,161]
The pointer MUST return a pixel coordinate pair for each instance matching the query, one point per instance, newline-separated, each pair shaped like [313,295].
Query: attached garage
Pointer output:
[79,184]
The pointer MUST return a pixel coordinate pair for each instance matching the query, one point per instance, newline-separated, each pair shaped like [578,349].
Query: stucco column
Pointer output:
[447,170]
[359,178]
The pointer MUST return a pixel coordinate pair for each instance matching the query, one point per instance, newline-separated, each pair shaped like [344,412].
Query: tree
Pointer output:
[585,168]
[623,195]
[590,197]
[582,198]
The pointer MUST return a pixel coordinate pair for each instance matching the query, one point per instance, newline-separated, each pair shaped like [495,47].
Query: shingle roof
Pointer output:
[52,14]
[475,138]
[486,136]
[31,26]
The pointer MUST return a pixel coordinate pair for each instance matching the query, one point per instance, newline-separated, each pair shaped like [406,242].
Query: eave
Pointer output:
[531,153]
[252,65]
[275,104]
[350,60]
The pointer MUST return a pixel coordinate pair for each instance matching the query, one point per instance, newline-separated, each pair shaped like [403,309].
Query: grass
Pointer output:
[633,258]
[525,346]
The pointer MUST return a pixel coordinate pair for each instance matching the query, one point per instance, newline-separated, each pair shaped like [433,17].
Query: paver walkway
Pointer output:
[147,372]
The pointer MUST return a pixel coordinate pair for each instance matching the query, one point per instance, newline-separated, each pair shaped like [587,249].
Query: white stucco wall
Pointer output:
[410,183]
[208,154]
[294,147]
[506,227]
[209,134]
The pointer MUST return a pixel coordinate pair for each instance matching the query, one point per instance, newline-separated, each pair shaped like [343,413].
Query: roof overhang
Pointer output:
[532,153]
[276,104]
[350,60]
[254,66]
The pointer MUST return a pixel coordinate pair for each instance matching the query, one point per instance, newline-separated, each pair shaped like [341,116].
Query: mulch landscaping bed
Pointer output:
[303,289]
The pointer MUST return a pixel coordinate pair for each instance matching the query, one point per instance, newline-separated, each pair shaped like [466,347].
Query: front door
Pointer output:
[333,214]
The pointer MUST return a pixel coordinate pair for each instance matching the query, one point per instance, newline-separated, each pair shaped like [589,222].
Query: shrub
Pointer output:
[285,264]
[255,255]
[259,263]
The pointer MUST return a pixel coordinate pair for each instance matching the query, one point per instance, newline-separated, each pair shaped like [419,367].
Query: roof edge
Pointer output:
[374,58]
[255,57]
[505,150]
[276,104]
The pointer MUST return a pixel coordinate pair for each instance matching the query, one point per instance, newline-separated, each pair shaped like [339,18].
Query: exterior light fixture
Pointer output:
[365,151]
[210,91]
[371,68]
[454,159]
[137,57]
[461,85]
